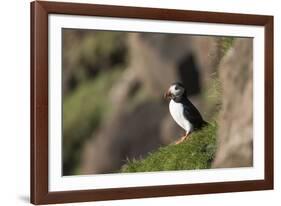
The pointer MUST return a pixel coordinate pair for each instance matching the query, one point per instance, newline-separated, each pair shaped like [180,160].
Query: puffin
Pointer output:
[184,113]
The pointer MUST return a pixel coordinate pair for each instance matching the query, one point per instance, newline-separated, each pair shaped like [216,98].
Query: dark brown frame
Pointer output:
[39,102]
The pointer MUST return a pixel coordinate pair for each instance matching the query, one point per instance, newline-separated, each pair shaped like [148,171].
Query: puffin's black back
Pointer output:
[192,114]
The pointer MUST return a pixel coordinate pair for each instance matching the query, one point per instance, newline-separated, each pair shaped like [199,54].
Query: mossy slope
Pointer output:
[195,153]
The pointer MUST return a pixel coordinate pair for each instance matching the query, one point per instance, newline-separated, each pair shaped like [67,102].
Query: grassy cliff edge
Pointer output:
[195,153]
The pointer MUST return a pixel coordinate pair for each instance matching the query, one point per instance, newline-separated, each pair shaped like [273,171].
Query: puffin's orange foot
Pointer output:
[182,139]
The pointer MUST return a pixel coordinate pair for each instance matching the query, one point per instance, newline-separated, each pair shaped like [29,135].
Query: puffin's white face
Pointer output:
[175,91]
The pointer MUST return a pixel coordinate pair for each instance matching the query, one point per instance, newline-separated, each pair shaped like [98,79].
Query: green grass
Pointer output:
[212,97]
[195,153]
[83,110]
[226,44]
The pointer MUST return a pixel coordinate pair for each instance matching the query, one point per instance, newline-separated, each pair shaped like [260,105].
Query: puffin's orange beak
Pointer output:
[167,95]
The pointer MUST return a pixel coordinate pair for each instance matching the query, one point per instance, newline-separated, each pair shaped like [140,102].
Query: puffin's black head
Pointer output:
[176,91]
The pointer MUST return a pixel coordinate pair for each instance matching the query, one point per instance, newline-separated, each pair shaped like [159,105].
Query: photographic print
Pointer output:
[131,102]
[146,102]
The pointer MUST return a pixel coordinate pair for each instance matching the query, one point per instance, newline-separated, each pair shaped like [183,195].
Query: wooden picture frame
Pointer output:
[39,102]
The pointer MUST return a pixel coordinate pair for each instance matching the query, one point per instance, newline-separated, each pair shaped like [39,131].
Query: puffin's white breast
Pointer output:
[176,110]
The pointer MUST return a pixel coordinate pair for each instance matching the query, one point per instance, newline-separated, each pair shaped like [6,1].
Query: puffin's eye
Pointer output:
[176,87]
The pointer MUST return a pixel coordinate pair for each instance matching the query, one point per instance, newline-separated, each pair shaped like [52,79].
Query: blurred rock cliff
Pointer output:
[235,134]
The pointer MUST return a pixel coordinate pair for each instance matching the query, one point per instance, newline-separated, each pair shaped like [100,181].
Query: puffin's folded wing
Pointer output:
[193,115]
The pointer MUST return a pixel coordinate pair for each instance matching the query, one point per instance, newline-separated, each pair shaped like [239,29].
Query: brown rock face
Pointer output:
[121,137]
[235,122]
